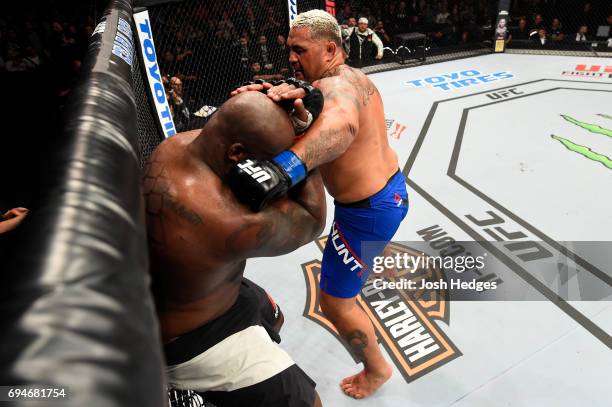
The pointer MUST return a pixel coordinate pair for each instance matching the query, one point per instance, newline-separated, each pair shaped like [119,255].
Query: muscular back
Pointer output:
[187,238]
[354,114]
[200,236]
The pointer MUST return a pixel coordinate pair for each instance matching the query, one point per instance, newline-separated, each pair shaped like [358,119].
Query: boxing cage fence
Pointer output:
[78,317]
[155,117]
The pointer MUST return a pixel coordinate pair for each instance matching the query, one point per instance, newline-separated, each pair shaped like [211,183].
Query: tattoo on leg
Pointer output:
[358,341]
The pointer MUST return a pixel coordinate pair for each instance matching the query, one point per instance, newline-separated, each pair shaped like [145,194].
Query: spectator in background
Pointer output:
[414,8]
[389,19]
[586,17]
[541,39]
[443,15]
[263,54]
[250,22]
[538,23]
[363,43]
[350,24]
[467,25]
[442,29]
[261,73]
[581,35]
[183,54]
[556,33]
[522,32]
[226,24]
[272,27]
[382,34]
[15,61]
[345,13]
[178,107]
[402,18]
[245,52]
[32,37]
[167,62]
[367,14]
[607,32]
[31,57]
[12,218]
[281,55]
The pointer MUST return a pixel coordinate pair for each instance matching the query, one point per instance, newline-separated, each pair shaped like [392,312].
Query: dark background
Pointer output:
[57,33]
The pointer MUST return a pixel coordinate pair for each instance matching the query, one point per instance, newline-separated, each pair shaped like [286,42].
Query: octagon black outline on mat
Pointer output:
[572,312]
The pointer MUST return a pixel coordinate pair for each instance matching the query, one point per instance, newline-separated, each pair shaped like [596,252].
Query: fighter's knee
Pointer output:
[324,302]
[334,306]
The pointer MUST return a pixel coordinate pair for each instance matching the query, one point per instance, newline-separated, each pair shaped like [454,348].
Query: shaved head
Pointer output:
[256,122]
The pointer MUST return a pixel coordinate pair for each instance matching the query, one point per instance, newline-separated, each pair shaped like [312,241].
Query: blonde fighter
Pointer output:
[348,143]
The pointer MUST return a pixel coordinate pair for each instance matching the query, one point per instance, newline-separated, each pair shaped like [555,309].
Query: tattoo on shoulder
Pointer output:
[363,87]
[342,93]
[158,199]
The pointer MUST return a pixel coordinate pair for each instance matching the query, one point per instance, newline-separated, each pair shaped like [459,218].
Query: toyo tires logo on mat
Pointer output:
[458,80]
[404,325]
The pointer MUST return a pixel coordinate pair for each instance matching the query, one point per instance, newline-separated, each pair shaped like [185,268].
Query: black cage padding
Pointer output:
[77,312]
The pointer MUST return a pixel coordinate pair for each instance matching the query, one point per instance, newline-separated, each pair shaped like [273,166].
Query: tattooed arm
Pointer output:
[283,225]
[337,126]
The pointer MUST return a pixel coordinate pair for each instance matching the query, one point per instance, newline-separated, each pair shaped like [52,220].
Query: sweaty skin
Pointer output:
[348,143]
[199,234]
[353,115]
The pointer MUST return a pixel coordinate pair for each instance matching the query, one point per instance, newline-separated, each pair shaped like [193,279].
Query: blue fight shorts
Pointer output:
[373,220]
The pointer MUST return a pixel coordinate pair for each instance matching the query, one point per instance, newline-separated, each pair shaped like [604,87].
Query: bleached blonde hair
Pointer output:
[322,25]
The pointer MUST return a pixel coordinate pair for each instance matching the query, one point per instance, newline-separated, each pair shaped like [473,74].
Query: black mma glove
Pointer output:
[256,182]
[313,101]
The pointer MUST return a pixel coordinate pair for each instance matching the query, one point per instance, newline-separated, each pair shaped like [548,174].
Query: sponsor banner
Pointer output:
[458,80]
[501,26]
[123,43]
[594,71]
[330,7]
[292,5]
[153,73]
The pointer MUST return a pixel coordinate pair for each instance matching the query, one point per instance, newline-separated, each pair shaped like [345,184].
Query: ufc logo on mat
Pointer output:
[257,173]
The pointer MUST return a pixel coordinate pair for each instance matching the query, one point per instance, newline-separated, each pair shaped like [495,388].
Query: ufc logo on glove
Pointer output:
[259,174]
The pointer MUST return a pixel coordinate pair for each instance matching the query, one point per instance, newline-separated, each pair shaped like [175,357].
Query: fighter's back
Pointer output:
[190,215]
[367,164]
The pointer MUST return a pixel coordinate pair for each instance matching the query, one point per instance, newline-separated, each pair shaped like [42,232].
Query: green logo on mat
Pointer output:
[584,150]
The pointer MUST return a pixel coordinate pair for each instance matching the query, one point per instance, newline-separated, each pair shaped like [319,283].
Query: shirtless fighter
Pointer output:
[348,143]
[218,328]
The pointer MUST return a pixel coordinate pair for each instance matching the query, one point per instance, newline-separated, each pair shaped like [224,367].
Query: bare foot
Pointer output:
[365,383]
